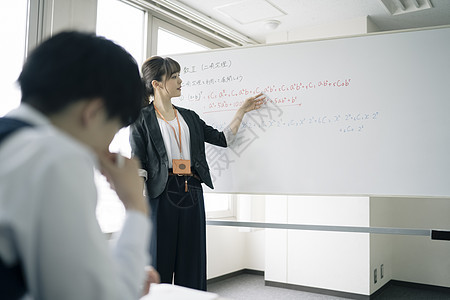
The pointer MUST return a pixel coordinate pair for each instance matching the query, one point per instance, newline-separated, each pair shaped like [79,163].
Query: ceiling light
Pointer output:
[272,24]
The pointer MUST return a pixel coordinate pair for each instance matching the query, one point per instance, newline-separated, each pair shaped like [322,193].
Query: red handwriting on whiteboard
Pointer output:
[293,87]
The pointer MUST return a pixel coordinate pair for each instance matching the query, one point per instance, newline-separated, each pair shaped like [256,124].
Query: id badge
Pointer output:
[181,166]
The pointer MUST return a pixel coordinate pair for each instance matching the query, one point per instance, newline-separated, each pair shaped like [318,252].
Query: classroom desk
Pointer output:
[174,292]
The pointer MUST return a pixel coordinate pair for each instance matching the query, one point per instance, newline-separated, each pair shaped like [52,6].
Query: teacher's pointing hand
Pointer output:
[253,103]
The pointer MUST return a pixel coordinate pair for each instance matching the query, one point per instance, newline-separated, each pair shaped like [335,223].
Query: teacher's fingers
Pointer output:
[260,95]
[258,100]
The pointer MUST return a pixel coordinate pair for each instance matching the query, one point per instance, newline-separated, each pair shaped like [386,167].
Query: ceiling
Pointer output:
[249,17]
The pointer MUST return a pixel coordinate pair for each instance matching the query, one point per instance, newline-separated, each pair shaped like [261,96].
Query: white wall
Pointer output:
[326,260]
[329,260]
[381,245]
[416,258]
[276,241]
[231,249]
[225,250]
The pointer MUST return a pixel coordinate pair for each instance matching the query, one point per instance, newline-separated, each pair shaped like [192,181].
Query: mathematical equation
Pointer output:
[292,87]
[213,81]
[221,64]
[344,122]
[256,124]
[284,94]
[216,100]
[220,105]
[220,159]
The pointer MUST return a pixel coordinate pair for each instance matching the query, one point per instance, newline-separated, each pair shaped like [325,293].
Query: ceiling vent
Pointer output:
[398,7]
[250,11]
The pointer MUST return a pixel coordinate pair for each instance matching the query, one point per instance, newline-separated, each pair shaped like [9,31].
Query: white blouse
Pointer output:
[170,140]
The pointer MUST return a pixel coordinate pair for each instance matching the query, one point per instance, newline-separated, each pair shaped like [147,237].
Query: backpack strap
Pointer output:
[12,280]
[9,125]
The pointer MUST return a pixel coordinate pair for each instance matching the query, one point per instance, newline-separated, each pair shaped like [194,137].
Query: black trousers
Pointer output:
[178,242]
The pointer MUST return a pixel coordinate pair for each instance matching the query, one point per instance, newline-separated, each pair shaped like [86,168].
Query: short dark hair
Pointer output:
[73,66]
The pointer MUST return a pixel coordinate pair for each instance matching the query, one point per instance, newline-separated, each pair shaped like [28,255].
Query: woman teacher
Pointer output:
[170,143]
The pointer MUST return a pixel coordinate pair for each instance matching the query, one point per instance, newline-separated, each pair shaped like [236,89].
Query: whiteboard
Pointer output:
[364,115]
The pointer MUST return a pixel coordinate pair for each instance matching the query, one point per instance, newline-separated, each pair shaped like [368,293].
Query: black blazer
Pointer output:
[147,144]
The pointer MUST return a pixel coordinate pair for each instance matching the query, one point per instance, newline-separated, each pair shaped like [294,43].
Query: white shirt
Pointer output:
[47,219]
[170,139]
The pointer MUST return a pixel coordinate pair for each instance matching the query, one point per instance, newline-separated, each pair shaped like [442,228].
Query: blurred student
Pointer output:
[78,90]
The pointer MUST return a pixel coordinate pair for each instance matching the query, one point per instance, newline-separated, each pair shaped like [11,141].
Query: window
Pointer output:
[220,205]
[172,40]
[170,43]
[125,25]
[14,17]
[168,39]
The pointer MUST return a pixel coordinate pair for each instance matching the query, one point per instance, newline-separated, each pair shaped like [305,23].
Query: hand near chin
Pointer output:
[152,276]
[122,175]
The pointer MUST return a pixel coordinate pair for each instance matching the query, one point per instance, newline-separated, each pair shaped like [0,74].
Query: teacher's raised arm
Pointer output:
[249,104]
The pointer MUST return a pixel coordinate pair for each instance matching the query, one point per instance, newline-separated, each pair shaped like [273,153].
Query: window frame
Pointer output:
[222,214]
[145,32]
[38,24]
[156,23]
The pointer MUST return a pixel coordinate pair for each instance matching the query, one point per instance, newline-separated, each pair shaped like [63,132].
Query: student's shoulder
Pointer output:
[53,144]
[34,152]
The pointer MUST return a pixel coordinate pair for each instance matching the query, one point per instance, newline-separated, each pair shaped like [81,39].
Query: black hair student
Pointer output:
[170,142]
[78,90]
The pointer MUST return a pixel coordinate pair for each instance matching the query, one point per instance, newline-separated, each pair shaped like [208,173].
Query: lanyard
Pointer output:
[174,131]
